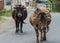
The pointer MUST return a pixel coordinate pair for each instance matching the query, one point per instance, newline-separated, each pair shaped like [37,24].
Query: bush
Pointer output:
[8,3]
[58,6]
[2,11]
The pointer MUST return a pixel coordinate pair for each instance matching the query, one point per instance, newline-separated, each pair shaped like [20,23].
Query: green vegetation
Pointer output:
[5,12]
[1,19]
[56,5]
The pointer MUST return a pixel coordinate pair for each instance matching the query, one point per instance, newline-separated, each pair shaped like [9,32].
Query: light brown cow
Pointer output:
[40,20]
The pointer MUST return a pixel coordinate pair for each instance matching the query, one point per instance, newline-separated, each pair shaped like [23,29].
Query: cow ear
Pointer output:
[49,10]
[14,9]
[37,11]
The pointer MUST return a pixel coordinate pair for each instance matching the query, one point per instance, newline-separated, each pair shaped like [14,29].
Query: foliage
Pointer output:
[5,12]
[55,5]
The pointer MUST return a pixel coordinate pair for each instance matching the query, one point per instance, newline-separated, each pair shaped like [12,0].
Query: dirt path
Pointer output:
[6,25]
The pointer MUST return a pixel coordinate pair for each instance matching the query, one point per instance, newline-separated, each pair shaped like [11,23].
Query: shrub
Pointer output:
[58,6]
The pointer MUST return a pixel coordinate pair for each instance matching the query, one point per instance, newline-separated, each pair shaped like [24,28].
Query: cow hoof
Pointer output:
[37,41]
[24,23]
[17,30]
[21,31]
[41,40]
[44,39]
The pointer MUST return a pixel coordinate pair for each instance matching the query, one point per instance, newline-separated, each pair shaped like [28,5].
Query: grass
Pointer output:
[1,19]
[5,12]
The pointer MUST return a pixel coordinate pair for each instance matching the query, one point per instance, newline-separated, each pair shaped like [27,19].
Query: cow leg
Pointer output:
[48,25]
[21,25]
[41,35]
[37,35]
[24,22]
[44,37]
[17,26]
[47,28]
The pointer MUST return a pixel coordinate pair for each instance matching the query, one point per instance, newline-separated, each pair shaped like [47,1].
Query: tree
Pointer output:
[51,1]
[34,3]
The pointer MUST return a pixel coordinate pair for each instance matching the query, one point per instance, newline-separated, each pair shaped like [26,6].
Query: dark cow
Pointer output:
[19,14]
